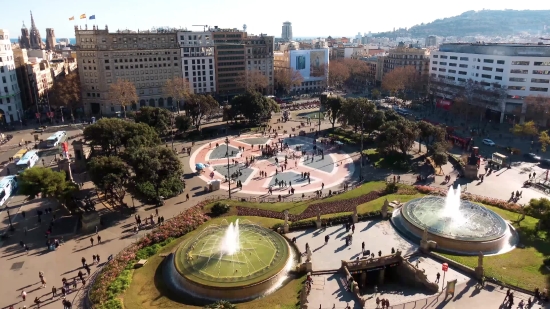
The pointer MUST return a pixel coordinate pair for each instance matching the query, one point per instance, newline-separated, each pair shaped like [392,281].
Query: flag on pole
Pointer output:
[92,17]
[71,18]
[83,16]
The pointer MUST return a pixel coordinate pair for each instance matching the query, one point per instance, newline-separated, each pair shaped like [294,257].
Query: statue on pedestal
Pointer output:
[480,259]
[355,217]
[384,210]
[308,255]
[318,214]
[286,216]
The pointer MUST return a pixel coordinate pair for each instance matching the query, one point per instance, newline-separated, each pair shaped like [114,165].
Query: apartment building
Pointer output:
[407,56]
[238,55]
[10,98]
[521,69]
[146,58]
[375,66]
[197,54]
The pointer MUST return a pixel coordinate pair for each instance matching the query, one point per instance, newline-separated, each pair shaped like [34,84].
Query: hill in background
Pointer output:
[486,22]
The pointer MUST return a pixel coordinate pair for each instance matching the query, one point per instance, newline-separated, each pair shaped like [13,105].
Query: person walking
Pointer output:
[24,295]
[97,257]
[98,239]
[43,281]
[83,262]
[437,277]
[363,247]
[54,292]
[92,241]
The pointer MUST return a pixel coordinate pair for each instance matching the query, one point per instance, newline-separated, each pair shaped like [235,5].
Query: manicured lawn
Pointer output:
[145,291]
[377,203]
[522,266]
[296,208]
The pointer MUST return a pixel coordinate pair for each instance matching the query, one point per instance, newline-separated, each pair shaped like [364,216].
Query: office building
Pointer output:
[286,34]
[10,97]
[197,54]
[50,39]
[146,58]
[407,56]
[521,70]
[431,41]
[311,64]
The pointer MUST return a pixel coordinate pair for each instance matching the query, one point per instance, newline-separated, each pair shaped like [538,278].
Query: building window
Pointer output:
[539,89]
[452,71]
[443,57]
[434,69]
[488,60]
[453,58]
[500,61]
[452,64]
[433,62]
[498,77]
[485,76]
[516,88]
[463,65]
[520,62]
[464,59]
[540,80]
[107,68]
[539,63]
[442,70]
[499,70]
[541,72]
[461,79]
[518,71]
[443,63]
[461,72]
[517,79]
[487,69]
[436,56]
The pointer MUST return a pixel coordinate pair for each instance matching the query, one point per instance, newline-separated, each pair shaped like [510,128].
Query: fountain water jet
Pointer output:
[231,240]
[451,208]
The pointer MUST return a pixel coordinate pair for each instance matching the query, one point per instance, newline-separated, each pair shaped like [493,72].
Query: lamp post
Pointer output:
[228,175]
[172,129]
[9,218]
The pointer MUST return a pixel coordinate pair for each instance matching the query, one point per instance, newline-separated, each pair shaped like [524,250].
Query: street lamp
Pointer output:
[228,175]
[9,218]
[172,128]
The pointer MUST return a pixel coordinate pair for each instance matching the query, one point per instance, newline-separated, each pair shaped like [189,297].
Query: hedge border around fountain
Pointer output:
[281,244]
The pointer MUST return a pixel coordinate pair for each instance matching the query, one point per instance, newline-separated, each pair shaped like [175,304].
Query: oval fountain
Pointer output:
[456,225]
[231,261]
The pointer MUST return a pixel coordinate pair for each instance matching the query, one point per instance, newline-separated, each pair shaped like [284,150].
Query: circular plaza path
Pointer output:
[331,169]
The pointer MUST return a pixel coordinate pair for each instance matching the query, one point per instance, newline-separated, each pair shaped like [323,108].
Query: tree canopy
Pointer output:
[158,118]
[253,106]
[397,136]
[285,79]
[333,106]
[198,106]
[123,92]
[110,175]
[183,123]
[177,88]
[45,181]
[112,134]
[66,93]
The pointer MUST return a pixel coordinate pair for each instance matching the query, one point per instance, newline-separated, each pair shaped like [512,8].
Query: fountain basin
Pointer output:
[234,263]
[467,228]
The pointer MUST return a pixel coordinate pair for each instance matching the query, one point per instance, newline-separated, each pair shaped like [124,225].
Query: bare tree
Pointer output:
[253,80]
[338,73]
[66,93]
[536,109]
[177,88]
[123,93]
[285,79]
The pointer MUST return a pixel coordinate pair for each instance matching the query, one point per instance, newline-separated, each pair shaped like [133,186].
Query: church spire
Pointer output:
[24,27]
[33,26]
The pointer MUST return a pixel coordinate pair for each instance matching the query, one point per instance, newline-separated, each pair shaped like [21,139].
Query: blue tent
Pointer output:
[199,166]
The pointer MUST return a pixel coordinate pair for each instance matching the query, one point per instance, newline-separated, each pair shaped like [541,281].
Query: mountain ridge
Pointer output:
[484,22]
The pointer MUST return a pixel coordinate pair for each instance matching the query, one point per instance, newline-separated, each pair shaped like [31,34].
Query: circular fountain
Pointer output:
[232,261]
[456,225]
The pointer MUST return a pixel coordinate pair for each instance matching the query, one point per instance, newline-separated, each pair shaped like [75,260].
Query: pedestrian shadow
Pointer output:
[369,225]
[341,248]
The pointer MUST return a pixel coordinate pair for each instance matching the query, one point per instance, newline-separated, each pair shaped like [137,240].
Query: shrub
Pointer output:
[391,187]
[219,209]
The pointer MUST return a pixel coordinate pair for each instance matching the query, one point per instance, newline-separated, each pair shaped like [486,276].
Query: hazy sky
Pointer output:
[309,18]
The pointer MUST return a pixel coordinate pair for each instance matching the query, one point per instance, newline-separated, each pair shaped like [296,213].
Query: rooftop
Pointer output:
[498,49]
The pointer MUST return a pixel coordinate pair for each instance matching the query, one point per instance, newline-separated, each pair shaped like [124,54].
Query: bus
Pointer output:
[8,185]
[55,139]
[19,155]
[27,161]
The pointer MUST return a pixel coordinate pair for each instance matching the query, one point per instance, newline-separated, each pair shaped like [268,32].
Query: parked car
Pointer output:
[532,157]
[489,142]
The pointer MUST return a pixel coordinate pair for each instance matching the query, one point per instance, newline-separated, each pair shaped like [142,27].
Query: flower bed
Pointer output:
[502,204]
[333,221]
[106,287]
[312,210]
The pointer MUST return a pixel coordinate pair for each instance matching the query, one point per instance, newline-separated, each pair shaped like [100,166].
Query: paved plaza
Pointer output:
[20,270]
[327,171]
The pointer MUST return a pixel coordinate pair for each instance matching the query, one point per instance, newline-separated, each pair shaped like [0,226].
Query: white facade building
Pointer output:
[521,69]
[10,94]
[198,64]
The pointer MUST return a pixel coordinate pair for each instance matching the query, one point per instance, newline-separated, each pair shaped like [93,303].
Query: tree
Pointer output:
[375,93]
[333,105]
[429,133]
[399,79]
[110,175]
[440,159]
[112,134]
[358,72]
[338,73]
[397,135]
[198,106]
[66,93]
[221,304]
[158,118]
[526,129]
[253,106]
[253,80]
[359,113]
[536,109]
[544,140]
[123,93]
[50,184]
[177,88]
[157,170]
[183,123]
[285,79]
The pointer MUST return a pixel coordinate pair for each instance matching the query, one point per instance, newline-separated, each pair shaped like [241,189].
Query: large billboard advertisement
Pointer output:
[312,64]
